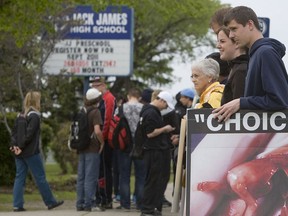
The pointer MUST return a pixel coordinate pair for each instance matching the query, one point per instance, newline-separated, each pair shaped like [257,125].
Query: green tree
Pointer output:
[163,29]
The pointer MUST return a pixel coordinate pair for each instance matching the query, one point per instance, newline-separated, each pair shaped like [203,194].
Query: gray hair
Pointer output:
[209,67]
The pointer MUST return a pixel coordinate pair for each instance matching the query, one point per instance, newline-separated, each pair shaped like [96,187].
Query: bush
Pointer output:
[7,171]
[62,154]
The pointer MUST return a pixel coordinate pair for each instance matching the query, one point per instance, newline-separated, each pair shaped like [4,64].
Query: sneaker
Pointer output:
[107,206]
[15,209]
[58,203]
[147,214]
[133,199]
[88,209]
[80,209]
[157,213]
[116,199]
[166,203]
[123,208]
[98,209]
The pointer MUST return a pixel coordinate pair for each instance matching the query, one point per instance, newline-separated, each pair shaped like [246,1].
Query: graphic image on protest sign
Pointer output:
[239,166]
[101,44]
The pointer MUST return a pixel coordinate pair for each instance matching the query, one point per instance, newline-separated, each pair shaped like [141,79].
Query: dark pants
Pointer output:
[157,164]
[116,175]
[104,194]
[125,164]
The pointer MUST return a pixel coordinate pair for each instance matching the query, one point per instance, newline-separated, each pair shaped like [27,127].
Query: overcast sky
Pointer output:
[276,11]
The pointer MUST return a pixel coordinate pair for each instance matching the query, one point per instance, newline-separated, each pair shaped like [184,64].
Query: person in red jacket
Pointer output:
[107,107]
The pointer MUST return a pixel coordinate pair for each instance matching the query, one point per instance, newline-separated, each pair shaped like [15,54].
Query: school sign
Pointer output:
[99,44]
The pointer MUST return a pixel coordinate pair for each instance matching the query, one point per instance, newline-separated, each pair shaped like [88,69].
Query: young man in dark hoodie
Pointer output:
[266,84]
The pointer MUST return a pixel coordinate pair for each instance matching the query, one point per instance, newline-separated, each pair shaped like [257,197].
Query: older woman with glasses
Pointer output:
[204,76]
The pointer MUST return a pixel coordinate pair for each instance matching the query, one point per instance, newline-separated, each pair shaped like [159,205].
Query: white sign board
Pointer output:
[102,45]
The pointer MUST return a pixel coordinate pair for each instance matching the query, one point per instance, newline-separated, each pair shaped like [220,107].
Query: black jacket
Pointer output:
[152,120]
[32,137]
[235,85]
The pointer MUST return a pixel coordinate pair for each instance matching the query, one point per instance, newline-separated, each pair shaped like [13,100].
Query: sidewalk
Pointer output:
[72,212]
[68,209]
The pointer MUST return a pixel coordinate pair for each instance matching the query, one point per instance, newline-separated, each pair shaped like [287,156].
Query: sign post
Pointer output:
[264,23]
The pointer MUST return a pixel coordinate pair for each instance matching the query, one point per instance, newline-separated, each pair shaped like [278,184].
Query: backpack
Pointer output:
[79,138]
[18,135]
[119,134]
[139,140]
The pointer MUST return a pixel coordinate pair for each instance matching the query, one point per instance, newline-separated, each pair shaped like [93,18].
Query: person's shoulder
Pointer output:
[137,104]
[150,110]
[92,109]
[109,94]
[217,88]
[33,114]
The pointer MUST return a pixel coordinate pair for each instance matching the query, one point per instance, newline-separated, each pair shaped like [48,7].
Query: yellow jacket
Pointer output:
[211,95]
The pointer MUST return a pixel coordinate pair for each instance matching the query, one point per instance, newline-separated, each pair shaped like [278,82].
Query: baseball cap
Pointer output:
[92,94]
[166,96]
[97,79]
[187,93]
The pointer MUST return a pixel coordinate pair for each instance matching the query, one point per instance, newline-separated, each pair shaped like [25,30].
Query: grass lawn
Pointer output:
[63,187]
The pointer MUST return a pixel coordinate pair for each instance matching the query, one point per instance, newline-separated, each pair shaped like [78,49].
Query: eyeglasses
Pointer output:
[195,76]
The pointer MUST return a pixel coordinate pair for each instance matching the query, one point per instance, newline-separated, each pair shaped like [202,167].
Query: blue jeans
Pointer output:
[88,173]
[35,164]
[125,163]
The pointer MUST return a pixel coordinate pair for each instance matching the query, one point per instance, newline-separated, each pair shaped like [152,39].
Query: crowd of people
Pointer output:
[246,73]
[112,167]
[234,183]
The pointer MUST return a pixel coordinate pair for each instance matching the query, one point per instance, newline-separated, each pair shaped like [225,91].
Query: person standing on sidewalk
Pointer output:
[107,107]
[156,153]
[28,157]
[131,111]
[89,158]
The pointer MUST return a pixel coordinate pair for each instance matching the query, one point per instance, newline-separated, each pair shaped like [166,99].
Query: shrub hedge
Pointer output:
[7,171]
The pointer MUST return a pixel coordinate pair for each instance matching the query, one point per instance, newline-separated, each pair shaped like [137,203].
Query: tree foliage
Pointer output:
[163,29]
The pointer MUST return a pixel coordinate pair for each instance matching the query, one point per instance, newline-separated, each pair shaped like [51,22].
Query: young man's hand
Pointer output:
[224,112]
[168,128]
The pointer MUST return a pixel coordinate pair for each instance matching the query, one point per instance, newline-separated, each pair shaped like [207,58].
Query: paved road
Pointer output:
[68,209]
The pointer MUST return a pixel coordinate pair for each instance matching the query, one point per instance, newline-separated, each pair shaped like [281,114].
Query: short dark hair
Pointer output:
[219,15]
[92,102]
[134,92]
[241,15]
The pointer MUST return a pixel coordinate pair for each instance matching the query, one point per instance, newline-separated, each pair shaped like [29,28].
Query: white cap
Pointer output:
[166,96]
[92,94]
